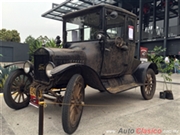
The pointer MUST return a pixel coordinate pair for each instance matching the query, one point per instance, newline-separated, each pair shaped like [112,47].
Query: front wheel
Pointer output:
[149,86]
[16,89]
[73,104]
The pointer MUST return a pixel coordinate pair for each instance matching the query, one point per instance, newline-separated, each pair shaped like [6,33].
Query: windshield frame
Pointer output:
[65,22]
[103,22]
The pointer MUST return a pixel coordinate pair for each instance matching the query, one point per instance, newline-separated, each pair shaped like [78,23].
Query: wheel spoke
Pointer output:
[23,97]
[21,79]
[16,88]
[19,99]
[72,113]
[15,82]
[26,82]
[16,91]
[80,97]
[16,96]
[78,109]
[75,103]
[75,91]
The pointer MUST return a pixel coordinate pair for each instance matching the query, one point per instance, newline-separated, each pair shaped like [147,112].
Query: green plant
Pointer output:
[34,44]
[165,69]
[4,73]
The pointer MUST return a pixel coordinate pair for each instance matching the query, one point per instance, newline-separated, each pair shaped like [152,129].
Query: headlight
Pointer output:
[49,67]
[27,67]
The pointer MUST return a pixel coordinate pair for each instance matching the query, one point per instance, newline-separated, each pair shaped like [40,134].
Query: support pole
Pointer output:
[41,116]
[166,19]
[140,29]
[178,12]
[154,15]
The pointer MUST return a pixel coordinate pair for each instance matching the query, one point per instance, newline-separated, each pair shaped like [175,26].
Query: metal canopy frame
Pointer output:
[58,10]
[173,11]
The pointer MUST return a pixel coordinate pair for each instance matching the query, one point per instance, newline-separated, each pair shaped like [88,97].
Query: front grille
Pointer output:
[40,62]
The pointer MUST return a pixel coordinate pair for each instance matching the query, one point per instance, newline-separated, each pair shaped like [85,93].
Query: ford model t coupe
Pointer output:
[98,51]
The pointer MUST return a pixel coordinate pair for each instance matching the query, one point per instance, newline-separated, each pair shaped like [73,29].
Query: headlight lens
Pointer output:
[27,67]
[49,67]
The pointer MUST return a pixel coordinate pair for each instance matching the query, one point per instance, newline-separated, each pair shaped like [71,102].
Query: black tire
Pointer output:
[73,104]
[149,87]
[16,89]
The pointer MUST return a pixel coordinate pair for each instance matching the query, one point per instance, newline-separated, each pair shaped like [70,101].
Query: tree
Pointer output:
[9,35]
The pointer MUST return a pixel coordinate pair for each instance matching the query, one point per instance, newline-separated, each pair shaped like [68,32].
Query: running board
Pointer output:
[121,88]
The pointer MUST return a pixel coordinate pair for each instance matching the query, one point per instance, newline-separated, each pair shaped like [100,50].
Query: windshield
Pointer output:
[115,26]
[83,28]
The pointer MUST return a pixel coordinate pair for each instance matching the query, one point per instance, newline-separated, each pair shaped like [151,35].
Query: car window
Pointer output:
[115,32]
[83,27]
[115,26]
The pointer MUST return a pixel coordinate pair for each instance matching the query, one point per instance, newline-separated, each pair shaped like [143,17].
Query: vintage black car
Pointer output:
[98,51]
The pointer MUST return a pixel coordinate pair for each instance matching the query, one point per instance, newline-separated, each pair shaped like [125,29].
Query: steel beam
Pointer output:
[178,12]
[154,14]
[166,22]
[140,28]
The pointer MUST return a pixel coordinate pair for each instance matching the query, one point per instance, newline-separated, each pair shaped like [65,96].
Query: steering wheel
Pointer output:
[101,32]
[119,42]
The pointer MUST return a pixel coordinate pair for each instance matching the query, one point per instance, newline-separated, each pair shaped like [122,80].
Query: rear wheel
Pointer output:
[73,104]
[16,89]
[149,86]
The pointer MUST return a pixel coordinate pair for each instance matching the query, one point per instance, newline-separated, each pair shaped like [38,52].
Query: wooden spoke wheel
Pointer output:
[16,89]
[149,86]
[73,104]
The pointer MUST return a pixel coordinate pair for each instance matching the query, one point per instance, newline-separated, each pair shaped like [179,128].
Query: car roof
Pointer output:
[94,7]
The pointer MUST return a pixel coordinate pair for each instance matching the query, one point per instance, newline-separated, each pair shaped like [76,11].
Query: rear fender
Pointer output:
[66,71]
[140,72]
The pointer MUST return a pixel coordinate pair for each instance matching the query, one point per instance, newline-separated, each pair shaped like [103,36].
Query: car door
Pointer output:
[119,46]
[115,59]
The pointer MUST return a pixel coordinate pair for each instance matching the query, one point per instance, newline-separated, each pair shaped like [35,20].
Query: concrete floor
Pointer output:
[105,114]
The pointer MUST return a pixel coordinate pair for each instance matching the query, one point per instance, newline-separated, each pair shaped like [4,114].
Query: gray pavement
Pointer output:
[105,114]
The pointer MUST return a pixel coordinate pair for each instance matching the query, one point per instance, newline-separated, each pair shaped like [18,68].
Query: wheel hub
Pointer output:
[149,82]
[22,88]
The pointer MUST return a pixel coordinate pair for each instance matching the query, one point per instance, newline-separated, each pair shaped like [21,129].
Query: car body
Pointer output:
[98,51]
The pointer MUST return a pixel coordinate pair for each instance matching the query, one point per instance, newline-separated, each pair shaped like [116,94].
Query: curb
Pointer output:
[169,82]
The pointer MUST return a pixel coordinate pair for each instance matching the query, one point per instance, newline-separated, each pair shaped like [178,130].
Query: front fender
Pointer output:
[140,72]
[66,71]
[18,64]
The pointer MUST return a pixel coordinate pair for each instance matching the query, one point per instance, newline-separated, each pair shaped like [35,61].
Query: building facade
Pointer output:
[13,52]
